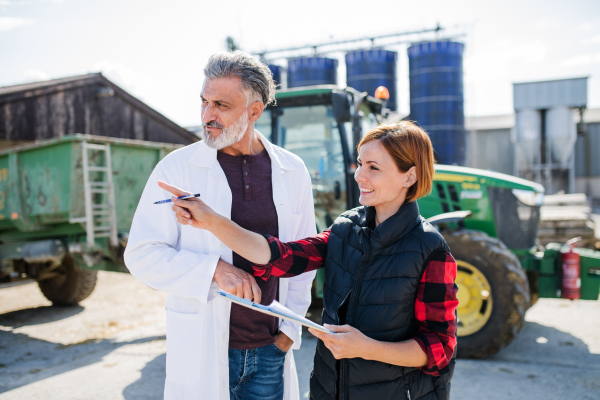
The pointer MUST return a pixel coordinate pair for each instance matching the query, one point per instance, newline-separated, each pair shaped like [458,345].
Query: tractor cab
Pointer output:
[321,125]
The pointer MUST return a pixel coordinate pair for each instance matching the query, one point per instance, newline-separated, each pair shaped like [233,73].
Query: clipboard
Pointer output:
[276,309]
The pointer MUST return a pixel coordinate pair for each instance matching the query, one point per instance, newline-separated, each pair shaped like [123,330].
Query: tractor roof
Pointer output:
[451,173]
[306,95]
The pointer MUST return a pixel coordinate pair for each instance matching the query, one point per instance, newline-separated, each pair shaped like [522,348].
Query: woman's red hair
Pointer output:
[410,146]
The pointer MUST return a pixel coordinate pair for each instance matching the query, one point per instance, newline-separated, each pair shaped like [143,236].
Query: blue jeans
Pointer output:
[256,374]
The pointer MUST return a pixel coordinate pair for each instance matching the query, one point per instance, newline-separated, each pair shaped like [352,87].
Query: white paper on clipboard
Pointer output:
[275,309]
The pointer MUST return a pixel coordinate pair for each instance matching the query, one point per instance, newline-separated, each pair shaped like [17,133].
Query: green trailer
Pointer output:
[66,207]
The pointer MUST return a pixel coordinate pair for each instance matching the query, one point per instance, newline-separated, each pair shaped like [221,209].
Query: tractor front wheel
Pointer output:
[493,293]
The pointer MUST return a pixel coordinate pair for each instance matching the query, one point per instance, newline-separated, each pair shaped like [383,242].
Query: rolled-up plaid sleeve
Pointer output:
[293,258]
[435,312]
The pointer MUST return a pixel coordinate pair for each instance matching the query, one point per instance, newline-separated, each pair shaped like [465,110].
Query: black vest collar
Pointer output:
[392,229]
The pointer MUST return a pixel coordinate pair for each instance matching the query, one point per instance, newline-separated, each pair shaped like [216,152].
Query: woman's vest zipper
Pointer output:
[352,305]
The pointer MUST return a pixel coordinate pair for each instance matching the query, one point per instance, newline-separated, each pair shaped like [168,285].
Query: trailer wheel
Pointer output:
[493,293]
[70,286]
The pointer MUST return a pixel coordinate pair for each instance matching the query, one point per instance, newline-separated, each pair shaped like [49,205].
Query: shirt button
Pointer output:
[224,336]
[245,161]
[245,173]
[247,186]
[223,385]
[222,245]
[223,199]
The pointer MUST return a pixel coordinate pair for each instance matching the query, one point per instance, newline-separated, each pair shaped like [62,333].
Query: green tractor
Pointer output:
[490,220]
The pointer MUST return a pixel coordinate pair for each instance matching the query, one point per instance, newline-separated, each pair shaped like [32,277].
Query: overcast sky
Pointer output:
[156,49]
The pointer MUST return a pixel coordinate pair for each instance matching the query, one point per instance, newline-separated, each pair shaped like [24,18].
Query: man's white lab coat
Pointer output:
[181,261]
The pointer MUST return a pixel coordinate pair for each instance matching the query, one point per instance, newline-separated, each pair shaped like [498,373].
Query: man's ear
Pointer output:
[255,111]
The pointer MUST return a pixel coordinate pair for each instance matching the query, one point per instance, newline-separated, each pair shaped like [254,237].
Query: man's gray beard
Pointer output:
[228,136]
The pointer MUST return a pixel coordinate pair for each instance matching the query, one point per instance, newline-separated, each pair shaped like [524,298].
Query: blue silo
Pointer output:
[436,96]
[309,71]
[366,70]
[276,71]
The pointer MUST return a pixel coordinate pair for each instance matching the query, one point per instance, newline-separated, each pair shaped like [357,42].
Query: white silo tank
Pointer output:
[561,134]
[529,135]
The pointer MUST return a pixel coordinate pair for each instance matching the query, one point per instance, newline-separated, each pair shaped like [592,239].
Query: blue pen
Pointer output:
[187,196]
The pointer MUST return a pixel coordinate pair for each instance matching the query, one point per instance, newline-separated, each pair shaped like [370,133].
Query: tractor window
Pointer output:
[368,122]
[263,125]
[516,223]
[311,133]
[349,136]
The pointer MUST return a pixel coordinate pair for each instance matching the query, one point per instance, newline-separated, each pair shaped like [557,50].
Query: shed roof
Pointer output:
[28,90]
[507,121]
[548,94]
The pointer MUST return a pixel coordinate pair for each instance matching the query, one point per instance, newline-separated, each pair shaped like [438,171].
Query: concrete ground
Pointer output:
[113,346]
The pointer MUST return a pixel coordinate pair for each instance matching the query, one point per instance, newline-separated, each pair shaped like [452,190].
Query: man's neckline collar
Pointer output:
[206,157]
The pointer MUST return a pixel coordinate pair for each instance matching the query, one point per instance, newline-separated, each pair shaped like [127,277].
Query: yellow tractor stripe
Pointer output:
[454,178]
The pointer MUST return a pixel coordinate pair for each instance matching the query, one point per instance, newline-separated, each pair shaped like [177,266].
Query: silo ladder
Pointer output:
[100,214]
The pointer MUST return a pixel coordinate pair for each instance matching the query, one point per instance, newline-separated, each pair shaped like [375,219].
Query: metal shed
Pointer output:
[491,145]
[89,104]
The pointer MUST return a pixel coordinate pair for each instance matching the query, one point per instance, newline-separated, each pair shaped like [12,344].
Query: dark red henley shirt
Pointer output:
[252,208]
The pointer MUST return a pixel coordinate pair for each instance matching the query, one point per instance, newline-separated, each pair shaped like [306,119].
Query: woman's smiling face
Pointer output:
[380,182]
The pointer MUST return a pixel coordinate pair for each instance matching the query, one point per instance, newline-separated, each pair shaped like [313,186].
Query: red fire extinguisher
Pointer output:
[571,280]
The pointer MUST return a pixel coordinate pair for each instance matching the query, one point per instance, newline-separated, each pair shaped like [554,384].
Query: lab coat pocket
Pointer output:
[185,338]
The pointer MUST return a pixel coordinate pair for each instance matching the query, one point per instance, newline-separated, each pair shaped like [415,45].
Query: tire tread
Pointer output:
[510,291]
[77,285]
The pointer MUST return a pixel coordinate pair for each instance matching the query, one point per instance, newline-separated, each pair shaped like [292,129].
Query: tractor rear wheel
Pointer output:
[493,293]
[69,285]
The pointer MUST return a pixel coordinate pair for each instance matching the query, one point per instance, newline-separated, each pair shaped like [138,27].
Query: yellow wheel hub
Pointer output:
[474,299]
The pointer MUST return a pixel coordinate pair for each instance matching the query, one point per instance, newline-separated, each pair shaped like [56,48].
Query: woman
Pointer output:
[389,289]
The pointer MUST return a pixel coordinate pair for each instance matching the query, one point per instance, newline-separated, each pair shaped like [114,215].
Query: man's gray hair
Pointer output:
[256,77]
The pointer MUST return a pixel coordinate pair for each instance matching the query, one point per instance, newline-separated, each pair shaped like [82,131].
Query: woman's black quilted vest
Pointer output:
[374,274]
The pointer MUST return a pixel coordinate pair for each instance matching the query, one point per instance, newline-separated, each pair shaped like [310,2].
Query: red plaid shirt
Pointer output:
[435,306]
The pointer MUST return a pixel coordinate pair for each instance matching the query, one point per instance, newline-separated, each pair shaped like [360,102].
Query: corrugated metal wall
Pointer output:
[78,111]
[491,149]
[586,152]
[491,145]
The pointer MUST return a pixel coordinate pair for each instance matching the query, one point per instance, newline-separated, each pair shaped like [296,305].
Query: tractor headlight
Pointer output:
[529,197]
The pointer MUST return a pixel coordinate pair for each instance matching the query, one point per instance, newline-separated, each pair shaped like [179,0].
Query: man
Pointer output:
[216,350]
